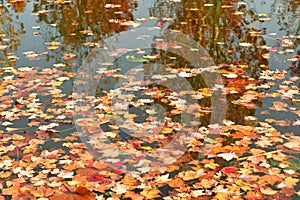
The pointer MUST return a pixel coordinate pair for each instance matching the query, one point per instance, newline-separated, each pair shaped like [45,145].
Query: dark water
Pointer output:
[77,27]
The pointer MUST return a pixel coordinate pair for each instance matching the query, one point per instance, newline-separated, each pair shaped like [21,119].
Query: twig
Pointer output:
[59,121]
[261,154]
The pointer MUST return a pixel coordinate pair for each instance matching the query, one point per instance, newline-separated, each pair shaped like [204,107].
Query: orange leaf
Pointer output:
[9,191]
[208,183]
[101,188]
[188,175]
[5,174]
[83,191]
[42,191]
[165,45]
[86,171]
[172,168]
[150,193]
[63,197]
[271,179]
[253,195]
[176,182]
[129,181]
[133,195]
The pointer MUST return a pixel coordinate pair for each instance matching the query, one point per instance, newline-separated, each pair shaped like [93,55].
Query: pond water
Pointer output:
[149,73]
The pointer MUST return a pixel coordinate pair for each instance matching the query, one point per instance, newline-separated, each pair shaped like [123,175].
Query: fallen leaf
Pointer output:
[267,190]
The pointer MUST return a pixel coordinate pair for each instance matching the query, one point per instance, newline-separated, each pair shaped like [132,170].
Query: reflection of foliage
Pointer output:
[287,12]
[18,5]
[287,15]
[166,9]
[77,20]
[10,32]
[81,24]
[220,29]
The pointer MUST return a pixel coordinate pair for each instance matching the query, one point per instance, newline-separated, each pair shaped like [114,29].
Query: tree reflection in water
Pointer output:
[220,26]
[10,34]
[80,25]
[219,29]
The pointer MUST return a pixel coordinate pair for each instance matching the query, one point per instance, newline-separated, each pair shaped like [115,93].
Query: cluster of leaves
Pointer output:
[256,159]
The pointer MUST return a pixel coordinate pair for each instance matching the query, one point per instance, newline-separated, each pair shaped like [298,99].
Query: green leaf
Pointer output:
[294,163]
[134,59]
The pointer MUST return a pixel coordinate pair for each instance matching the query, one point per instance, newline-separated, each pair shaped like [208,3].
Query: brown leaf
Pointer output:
[86,171]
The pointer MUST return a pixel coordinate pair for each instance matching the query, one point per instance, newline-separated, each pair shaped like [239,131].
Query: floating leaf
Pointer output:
[134,59]
[227,156]
[267,190]
[227,170]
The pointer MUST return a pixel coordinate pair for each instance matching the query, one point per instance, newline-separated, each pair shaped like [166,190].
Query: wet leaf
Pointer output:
[267,190]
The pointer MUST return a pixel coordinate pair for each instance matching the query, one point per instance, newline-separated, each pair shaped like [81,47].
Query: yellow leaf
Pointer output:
[150,193]
[167,130]
[226,6]
[262,15]
[211,165]
[267,190]
[5,174]
[291,182]
[130,23]
[188,175]
[11,129]
[111,134]
[146,148]
[53,47]
[58,83]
